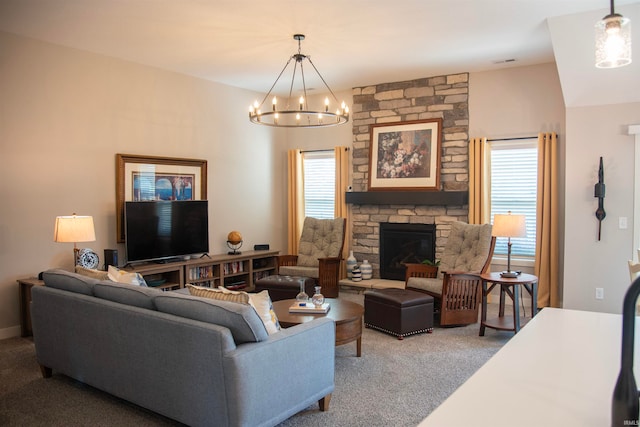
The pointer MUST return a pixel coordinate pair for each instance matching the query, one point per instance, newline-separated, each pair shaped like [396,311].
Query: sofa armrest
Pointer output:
[274,379]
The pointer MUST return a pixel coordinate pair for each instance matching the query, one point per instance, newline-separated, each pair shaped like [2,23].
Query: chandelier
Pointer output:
[613,41]
[299,114]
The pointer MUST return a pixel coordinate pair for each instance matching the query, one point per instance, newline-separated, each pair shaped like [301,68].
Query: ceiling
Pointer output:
[246,43]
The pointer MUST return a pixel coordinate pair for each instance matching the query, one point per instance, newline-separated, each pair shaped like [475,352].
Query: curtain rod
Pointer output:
[512,139]
[327,150]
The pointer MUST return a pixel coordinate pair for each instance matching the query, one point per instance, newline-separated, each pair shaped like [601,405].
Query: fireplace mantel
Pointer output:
[437,198]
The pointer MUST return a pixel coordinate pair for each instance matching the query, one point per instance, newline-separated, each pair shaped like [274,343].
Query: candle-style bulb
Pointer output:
[274,102]
[326,104]
[301,102]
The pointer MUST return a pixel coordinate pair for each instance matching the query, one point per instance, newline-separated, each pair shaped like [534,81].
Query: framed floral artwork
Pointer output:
[145,178]
[405,156]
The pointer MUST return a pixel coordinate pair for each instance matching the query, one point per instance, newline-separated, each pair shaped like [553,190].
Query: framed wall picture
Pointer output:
[405,156]
[141,178]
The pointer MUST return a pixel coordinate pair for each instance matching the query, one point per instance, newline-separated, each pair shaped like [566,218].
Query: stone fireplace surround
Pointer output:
[443,97]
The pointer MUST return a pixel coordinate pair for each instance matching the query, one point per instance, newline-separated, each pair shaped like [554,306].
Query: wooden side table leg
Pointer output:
[534,299]
[501,310]
[359,347]
[483,317]
[516,308]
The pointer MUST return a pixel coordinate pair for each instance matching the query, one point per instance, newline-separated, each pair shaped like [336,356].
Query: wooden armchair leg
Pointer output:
[324,402]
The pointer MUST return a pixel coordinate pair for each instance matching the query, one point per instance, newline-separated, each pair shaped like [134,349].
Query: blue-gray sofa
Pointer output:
[198,361]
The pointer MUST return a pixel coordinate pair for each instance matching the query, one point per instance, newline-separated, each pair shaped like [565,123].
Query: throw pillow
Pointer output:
[90,272]
[126,277]
[261,302]
[220,293]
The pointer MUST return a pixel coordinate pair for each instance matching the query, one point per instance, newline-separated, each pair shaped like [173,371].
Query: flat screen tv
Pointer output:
[162,230]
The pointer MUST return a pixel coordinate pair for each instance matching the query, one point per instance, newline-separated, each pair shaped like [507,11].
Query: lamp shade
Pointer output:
[613,41]
[74,228]
[509,225]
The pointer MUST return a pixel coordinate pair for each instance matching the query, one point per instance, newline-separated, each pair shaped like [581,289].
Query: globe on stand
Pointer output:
[234,242]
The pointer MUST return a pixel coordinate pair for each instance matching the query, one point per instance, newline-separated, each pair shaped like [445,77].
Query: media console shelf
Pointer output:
[232,271]
[168,276]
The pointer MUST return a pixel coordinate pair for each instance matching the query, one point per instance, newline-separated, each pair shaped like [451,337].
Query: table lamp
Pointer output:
[74,228]
[509,226]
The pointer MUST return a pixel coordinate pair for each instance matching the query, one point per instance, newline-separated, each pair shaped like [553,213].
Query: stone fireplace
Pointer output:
[444,97]
[404,243]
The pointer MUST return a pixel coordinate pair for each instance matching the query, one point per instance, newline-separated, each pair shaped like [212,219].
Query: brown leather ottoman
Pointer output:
[398,312]
[285,287]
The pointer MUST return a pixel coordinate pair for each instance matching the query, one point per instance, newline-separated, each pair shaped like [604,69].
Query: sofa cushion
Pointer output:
[431,285]
[242,320]
[466,249]
[296,270]
[68,281]
[137,296]
[261,302]
[221,293]
[320,238]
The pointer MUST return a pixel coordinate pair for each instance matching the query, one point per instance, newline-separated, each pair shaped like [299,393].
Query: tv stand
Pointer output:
[231,271]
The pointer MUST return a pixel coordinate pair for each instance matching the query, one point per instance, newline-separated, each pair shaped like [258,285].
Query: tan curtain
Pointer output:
[547,251]
[341,206]
[479,177]
[295,199]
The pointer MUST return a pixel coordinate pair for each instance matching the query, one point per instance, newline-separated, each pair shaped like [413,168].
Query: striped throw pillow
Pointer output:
[220,293]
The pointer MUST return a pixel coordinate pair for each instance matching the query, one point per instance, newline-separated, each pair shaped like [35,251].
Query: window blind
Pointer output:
[514,175]
[319,184]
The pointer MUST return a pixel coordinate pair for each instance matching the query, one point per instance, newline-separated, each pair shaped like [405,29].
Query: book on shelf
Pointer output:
[309,307]
[234,286]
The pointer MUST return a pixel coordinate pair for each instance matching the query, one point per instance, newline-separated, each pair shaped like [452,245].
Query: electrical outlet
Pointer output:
[599,293]
[622,223]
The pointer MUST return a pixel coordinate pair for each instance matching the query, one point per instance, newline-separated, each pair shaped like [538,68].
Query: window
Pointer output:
[514,176]
[319,183]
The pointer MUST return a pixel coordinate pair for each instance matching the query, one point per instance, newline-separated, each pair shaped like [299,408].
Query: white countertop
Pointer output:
[559,370]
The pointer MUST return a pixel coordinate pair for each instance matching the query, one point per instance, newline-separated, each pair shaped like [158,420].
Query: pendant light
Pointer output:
[613,41]
[299,114]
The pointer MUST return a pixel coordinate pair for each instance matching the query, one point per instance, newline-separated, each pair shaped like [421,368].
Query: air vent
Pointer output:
[504,61]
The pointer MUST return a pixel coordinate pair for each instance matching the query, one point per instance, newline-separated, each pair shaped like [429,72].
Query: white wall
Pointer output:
[593,132]
[65,114]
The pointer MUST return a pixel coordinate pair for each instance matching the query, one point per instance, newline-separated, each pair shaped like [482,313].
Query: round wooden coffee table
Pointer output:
[346,314]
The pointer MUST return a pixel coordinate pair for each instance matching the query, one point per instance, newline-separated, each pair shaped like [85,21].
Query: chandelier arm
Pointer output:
[323,81]
[293,79]
[304,88]
[276,82]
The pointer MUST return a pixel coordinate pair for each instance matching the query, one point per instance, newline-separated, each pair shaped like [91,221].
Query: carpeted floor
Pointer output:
[394,383]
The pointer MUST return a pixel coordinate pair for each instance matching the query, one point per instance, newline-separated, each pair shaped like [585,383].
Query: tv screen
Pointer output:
[165,229]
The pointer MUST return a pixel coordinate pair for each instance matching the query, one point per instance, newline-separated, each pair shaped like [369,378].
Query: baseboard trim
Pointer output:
[13,331]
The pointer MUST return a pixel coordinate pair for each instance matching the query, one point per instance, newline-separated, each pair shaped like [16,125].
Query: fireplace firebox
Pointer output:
[404,243]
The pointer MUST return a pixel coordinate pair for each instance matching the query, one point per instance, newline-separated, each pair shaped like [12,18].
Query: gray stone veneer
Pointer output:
[444,97]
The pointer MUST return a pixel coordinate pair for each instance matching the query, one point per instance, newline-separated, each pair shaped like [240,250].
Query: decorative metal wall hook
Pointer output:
[599,193]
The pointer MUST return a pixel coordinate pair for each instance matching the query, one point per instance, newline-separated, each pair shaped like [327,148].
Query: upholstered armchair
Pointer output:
[319,254]
[456,287]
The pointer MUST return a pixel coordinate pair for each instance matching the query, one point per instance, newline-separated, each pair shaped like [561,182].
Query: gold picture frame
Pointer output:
[157,178]
[405,155]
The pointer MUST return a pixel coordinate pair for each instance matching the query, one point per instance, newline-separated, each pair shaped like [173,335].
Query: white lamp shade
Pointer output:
[74,228]
[613,41]
[509,225]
